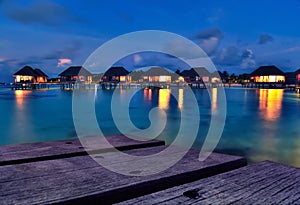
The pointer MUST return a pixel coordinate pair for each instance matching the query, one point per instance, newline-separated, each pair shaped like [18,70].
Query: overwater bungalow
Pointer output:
[157,75]
[268,75]
[217,77]
[196,75]
[29,75]
[116,75]
[74,73]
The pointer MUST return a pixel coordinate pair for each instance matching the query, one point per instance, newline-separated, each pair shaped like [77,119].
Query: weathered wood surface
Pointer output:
[81,180]
[263,183]
[24,153]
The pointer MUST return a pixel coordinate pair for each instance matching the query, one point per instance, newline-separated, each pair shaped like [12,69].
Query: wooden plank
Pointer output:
[31,152]
[81,180]
[263,183]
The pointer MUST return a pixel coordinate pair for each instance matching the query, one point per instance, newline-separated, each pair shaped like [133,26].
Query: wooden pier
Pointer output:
[263,183]
[62,172]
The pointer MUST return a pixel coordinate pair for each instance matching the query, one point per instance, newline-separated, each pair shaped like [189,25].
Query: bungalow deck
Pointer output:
[30,86]
[61,172]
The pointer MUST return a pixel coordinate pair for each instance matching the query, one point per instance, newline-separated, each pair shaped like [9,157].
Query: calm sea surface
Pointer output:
[260,124]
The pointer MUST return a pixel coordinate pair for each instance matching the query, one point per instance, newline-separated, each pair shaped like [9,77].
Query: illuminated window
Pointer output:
[122,78]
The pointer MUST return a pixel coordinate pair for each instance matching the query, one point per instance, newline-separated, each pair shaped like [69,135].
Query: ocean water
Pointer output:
[260,124]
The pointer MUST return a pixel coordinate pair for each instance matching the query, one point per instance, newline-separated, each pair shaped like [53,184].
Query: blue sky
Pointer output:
[238,36]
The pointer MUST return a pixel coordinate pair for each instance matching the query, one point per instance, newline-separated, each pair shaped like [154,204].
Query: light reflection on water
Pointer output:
[164,99]
[270,102]
[261,124]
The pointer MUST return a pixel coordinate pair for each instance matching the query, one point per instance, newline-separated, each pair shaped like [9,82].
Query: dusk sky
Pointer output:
[238,36]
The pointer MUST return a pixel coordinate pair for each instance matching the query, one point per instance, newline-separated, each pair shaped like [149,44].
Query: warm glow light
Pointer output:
[122,78]
[17,79]
[215,80]
[161,79]
[180,79]
[270,102]
[164,98]
[89,79]
[23,78]
[268,79]
[20,95]
[214,98]
[180,99]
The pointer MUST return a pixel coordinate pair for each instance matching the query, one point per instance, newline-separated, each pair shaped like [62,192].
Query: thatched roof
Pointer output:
[218,74]
[202,71]
[116,71]
[75,71]
[29,71]
[157,71]
[193,72]
[40,72]
[267,70]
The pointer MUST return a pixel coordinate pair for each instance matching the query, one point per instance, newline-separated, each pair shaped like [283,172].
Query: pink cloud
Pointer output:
[63,61]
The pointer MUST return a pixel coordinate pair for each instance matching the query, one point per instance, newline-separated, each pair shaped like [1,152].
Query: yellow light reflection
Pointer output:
[146,91]
[214,98]
[270,102]
[180,99]
[164,99]
[20,95]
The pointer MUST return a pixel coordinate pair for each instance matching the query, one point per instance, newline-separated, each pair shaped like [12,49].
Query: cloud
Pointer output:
[146,59]
[233,56]
[39,12]
[64,61]
[265,38]
[228,56]
[210,39]
[248,59]
[69,52]
[211,32]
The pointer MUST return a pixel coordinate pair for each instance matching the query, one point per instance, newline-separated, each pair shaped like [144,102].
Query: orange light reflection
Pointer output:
[20,95]
[270,102]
